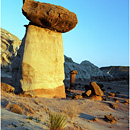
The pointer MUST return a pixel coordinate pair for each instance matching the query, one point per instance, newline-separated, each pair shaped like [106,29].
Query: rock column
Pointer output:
[72,78]
[43,58]
[43,62]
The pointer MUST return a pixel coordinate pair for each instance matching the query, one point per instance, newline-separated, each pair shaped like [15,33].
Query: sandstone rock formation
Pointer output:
[96,98]
[72,78]
[39,66]
[49,16]
[95,89]
[9,47]
[43,62]
[7,87]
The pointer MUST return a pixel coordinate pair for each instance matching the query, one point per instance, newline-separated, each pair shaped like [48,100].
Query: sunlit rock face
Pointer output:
[43,63]
[49,16]
[9,47]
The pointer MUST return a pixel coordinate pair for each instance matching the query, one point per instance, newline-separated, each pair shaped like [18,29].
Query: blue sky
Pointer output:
[101,35]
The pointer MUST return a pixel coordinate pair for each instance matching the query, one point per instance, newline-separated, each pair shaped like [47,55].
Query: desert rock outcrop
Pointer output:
[96,89]
[86,70]
[7,87]
[9,46]
[49,16]
[118,72]
[41,57]
[43,62]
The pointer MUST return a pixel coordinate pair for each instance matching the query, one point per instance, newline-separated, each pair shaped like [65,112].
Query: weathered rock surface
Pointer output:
[110,118]
[86,70]
[96,89]
[96,98]
[15,108]
[7,87]
[117,72]
[9,47]
[42,66]
[49,16]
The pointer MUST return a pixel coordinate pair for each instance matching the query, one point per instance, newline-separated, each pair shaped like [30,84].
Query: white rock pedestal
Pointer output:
[43,63]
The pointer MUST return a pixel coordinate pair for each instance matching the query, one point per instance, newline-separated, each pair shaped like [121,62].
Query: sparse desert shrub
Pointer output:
[72,110]
[57,121]
[30,117]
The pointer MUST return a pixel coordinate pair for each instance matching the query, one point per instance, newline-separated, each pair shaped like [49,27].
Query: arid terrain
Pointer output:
[82,114]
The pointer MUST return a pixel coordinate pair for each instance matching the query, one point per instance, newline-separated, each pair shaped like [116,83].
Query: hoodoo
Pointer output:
[42,64]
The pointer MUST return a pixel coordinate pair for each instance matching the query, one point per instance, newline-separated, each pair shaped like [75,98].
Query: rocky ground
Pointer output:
[82,114]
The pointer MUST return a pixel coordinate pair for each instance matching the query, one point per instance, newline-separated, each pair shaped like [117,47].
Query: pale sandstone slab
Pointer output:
[43,61]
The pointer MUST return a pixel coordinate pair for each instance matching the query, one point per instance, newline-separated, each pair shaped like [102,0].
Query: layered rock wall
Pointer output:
[9,46]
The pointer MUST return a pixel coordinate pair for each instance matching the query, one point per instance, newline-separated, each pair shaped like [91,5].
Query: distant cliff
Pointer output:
[86,70]
[117,72]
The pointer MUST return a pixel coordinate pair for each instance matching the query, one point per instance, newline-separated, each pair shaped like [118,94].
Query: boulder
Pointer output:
[15,108]
[96,89]
[7,87]
[88,93]
[49,16]
[42,65]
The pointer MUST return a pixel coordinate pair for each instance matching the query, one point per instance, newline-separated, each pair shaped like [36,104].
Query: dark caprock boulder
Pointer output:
[49,16]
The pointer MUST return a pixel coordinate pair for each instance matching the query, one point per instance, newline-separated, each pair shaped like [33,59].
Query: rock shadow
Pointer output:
[86,116]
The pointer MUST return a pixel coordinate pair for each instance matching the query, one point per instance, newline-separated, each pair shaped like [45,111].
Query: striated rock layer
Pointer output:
[49,16]
[43,63]
[9,46]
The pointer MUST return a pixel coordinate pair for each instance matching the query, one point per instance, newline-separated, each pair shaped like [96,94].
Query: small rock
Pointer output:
[68,90]
[15,108]
[95,119]
[110,118]
[112,94]
[77,97]
[126,101]
[114,106]
[104,98]
[96,98]
[96,89]
[88,93]
[116,100]
[7,87]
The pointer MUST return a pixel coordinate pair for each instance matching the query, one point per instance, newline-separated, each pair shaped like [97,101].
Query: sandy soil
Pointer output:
[80,112]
